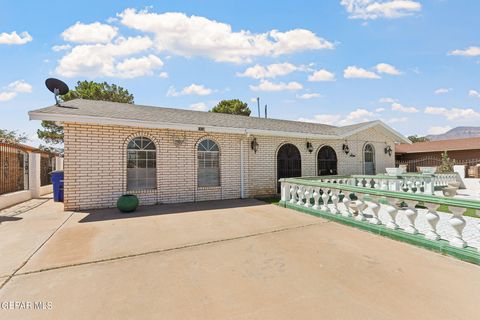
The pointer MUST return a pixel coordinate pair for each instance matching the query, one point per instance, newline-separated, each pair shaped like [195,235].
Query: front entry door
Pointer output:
[289,162]
[327,161]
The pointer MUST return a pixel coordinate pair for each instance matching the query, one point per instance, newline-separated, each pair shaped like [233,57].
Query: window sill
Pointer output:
[209,188]
[141,191]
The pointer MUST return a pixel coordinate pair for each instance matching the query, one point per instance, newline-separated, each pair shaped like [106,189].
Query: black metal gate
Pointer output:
[327,161]
[13,169]
[289,162]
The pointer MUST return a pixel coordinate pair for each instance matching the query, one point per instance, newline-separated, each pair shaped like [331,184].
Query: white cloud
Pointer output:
[358,115]
[352,72]
[14,38]
[270,71]
[438,130]
[198,36]
[469,52]
[193,89]
[321,75]
[266,85]
[96,60]
[199,106]
[386,100]
[387,69]
[62,47]
[163,75]
[14,88]
[390,9]
[453,113]
[8,95]
[138,67]
[399,107]
[442,90]
[474,93]
[20,86]
[379,109]
[90,33]
[307,96]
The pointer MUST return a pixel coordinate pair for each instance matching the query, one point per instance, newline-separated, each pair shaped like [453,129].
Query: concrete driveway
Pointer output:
[240,259]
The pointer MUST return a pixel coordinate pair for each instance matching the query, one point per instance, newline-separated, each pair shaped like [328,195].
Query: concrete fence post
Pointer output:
[58,163]
[34,174]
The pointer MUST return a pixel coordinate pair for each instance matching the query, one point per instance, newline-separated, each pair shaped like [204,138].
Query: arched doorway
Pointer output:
[326,161]
[289,162]
[369,159]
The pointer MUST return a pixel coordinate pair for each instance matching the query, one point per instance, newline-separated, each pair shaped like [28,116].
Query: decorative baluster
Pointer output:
[316,198]
[293,194]
[458,223]
[346,201]
[411,213]
[392,211]
[300,195]
[375,184]
[360,207]
[308,195]
[432,221]
[360,182]
[375,207]
[409,186]
[324,206]
[334,197]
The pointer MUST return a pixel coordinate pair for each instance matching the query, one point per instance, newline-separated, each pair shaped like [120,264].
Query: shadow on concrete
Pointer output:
[145,211]
[9,219]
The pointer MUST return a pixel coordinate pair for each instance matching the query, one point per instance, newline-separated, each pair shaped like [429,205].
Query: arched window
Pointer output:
[141,164]
[208,164]
[369,159]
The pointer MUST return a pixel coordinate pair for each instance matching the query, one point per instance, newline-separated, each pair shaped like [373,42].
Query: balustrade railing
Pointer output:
[373,201]
[411,183]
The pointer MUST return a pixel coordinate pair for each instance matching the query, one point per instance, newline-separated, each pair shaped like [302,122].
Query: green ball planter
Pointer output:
[127,203]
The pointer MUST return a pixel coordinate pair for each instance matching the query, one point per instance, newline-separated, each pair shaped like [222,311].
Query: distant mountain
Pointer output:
[456,133]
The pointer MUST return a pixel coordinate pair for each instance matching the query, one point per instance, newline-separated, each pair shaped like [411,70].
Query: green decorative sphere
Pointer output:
[127,203]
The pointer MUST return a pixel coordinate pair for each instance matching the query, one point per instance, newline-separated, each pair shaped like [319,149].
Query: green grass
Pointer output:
[270,200]
[444,208]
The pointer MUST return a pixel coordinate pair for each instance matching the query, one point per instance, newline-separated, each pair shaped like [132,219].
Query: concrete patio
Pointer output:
[240,259]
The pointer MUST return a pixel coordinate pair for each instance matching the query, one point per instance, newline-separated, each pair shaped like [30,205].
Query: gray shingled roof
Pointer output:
[124,111]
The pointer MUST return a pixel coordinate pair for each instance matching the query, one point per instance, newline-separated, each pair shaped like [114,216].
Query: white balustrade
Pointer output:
[316,197]
[392,211]
[325,196]
[300,195]
[308,195]
[375,208]
[335,199]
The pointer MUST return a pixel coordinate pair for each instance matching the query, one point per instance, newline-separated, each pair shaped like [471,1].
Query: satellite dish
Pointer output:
[58,87]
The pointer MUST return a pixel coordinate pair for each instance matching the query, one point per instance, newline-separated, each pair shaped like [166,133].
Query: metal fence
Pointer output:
[13,169]
[46,166]
[412,165]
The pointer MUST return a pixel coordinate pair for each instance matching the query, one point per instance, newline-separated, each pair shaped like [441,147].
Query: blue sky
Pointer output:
[413,64]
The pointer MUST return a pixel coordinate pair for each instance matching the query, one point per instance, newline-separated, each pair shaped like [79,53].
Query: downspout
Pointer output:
[242,171]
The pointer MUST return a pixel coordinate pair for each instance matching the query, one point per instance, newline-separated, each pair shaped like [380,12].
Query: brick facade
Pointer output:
[95,163]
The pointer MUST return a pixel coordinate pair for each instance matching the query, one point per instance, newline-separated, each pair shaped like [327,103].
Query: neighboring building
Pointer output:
[168,155]
[458,149]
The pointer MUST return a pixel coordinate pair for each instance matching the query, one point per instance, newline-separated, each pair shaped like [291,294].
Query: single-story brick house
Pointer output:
[166,155]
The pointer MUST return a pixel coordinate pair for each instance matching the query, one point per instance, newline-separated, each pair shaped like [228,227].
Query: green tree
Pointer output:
[52,133]
[416,139]
[12,136]
[234,106]
[447,164]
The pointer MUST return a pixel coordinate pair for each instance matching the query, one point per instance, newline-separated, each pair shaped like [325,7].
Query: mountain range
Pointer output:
[456,133]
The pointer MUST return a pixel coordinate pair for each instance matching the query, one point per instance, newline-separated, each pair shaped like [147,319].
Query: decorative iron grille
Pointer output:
[13,169]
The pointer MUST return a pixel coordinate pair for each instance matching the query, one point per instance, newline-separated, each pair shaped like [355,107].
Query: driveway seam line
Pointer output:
[36,250]
[186,246]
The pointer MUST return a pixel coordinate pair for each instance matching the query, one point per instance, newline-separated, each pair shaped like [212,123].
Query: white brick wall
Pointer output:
[95,164]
